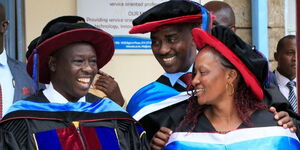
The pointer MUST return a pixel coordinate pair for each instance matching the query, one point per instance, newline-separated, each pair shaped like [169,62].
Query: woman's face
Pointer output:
[210,77]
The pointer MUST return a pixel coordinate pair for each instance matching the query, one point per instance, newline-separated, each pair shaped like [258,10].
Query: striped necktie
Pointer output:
[187,79]
[292,96]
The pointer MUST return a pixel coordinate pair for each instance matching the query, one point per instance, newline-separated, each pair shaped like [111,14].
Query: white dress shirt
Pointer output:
[282,81]
[174,77]
[6,81]
[55,97]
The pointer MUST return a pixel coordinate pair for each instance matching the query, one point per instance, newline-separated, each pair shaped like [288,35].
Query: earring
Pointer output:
[229,87]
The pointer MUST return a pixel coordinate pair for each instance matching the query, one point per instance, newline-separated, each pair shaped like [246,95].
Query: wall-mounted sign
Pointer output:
[115,17]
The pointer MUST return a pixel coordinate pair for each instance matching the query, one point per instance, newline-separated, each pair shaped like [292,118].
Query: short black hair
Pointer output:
[2,12]
[225,8]
[280,43]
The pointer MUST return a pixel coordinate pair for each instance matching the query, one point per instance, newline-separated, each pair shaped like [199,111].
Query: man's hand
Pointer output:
[284,119]
[160,138]
[110,87]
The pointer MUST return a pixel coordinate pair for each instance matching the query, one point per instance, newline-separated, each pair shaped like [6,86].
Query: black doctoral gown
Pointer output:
[34,123]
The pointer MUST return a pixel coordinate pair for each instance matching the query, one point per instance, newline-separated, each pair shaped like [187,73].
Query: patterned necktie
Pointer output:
[0,101]
[187,79]
[292,96]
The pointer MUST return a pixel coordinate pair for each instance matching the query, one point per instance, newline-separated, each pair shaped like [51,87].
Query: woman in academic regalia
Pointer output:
[226,109]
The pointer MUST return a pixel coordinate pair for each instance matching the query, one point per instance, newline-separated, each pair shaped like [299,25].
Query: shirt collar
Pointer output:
[282,80]
[55,97]
[3,58]
[173,77]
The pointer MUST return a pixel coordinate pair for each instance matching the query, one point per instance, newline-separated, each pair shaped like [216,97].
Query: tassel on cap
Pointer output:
[205,25]
[35,71]
[267,81]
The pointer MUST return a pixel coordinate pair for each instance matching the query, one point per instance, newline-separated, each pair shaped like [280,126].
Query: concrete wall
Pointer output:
[134,71]
[242,11]
[276,28]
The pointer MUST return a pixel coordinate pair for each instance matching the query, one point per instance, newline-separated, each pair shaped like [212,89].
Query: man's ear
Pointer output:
[4,25]
[52,64]
[276,56]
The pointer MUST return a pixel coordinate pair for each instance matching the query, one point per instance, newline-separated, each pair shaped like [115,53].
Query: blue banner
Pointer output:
[129,42]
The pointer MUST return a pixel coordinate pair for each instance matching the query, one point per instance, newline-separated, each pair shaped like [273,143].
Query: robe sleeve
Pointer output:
[7,141]
[132,136]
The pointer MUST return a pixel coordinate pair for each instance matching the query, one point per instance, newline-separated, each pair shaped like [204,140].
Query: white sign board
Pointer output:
[115,17]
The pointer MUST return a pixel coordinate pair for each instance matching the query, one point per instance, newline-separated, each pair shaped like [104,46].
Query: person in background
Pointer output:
[285,74]
[224,14]
[15,83]
[104,85]
[64,115]
[228,82]
[284,77]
